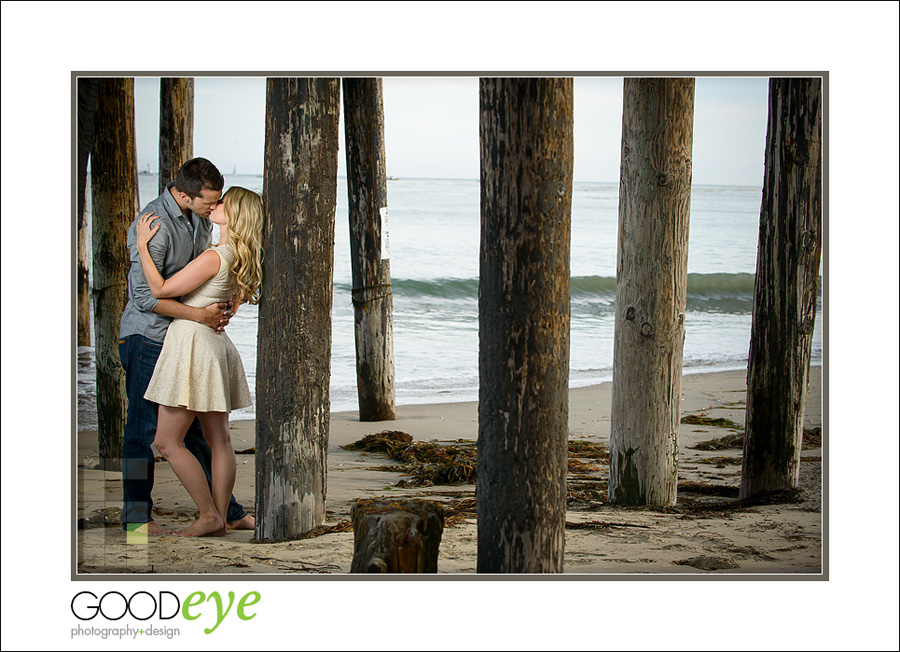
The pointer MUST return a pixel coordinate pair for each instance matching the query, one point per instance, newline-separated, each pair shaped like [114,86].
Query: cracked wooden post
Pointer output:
[176,126]
[294,336]
[87,89]
[526,132]
[114,200]
[369,252]
[396,536]
[786,287]
[651,283]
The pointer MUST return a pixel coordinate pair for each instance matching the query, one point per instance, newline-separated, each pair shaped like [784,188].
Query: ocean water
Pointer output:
[434,243]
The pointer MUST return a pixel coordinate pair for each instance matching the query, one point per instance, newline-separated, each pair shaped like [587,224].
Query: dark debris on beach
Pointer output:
[425,463]
[703,420]
[455,462]
[812,437]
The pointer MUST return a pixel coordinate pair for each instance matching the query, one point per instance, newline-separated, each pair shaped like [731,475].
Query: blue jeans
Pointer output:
[138,356]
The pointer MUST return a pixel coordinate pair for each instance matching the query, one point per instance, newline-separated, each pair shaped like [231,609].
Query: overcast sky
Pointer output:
[431,126]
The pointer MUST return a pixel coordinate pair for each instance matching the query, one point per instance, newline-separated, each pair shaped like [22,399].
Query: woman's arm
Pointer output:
[197,272]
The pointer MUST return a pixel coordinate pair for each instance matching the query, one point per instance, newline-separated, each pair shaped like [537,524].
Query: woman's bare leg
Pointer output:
[224,465]
[172,425]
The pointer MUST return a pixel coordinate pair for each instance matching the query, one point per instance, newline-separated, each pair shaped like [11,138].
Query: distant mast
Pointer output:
[234,171]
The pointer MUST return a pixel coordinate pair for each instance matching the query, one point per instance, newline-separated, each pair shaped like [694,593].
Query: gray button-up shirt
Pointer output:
[179,240]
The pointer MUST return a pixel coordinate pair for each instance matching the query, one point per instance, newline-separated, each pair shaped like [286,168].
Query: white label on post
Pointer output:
[385,239]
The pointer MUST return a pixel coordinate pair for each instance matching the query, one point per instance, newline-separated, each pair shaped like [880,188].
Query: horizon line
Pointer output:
[399,178]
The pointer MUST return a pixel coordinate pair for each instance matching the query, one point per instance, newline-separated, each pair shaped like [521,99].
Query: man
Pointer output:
[184,234]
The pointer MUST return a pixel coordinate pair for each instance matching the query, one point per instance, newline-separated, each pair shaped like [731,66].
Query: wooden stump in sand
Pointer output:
[398,536]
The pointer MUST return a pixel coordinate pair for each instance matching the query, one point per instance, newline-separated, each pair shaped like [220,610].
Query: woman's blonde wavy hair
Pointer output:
[244,209]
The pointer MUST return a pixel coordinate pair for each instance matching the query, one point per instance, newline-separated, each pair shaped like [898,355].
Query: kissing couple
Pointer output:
[183,374]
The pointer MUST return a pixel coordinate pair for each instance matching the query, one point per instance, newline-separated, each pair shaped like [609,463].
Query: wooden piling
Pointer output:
[526,133]
[651,290]
[294,336]
[176,126]
[396,536]
[87,90]
[786,287]
[114,198]
[369,254]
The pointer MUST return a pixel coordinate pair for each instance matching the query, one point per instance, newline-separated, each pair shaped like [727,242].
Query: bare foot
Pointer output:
[246,523]
[156,529]
[205,526]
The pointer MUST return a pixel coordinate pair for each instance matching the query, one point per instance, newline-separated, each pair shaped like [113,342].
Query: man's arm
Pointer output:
[139,289]
[215,315]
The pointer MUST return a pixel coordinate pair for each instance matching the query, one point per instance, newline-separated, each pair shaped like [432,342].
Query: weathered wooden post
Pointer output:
[526,131]
[114,198]
[397,536]
[369,252]
[651,282]
[786,287]
[176,126]
[294,337]
[87,90]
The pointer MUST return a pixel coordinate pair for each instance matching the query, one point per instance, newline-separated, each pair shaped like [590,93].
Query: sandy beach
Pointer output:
[706,533]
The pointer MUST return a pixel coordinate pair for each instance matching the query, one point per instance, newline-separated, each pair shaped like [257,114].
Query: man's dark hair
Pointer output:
[198,174]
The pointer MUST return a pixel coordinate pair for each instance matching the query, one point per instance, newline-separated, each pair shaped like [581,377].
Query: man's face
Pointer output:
[204,203]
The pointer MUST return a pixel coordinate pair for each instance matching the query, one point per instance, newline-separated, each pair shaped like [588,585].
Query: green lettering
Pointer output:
[245,603]
[220,616]
[190,602]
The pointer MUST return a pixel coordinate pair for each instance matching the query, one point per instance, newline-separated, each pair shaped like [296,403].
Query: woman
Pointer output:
[199,372]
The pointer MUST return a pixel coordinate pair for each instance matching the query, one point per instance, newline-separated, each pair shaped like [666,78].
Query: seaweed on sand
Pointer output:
[588,450]
[586,493]
[432,463]
[580,466]
[722,461]
[427,463]
[735,440]
[703,420]
[601,525]
[388,442]
[341,526]
[722,500]
[459,511]
[812,438]
[454,463]
[585,488]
